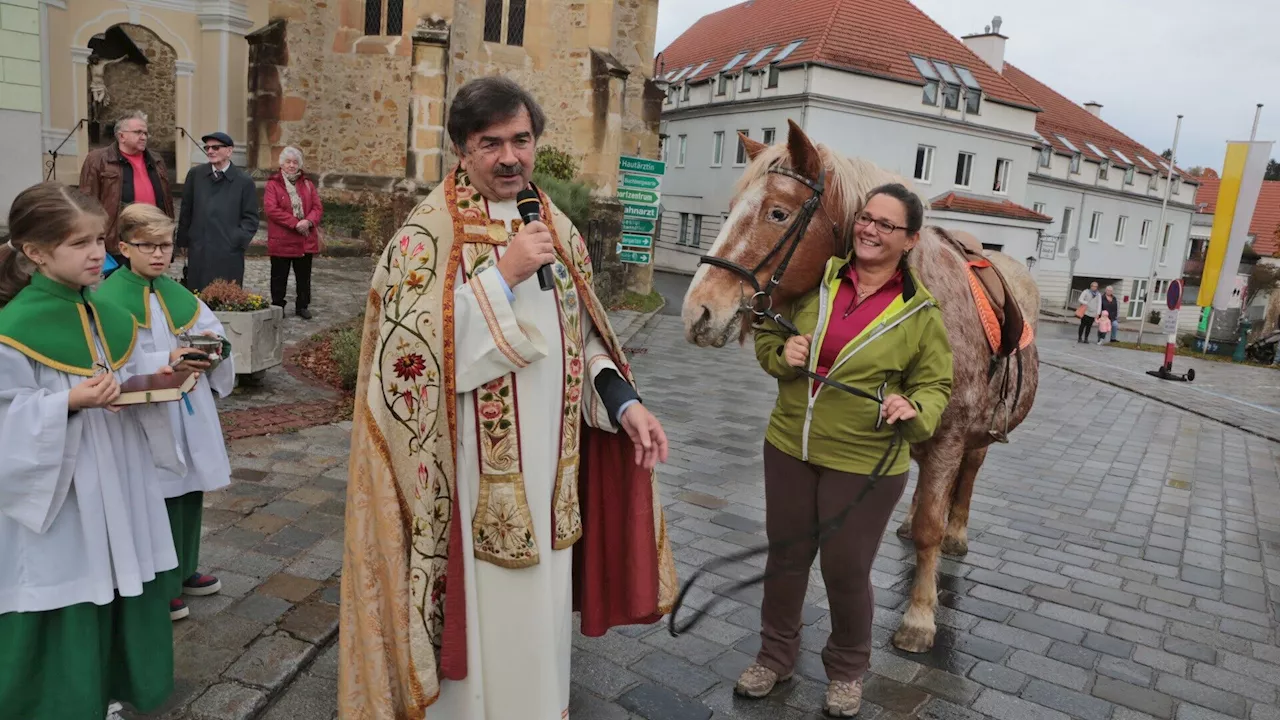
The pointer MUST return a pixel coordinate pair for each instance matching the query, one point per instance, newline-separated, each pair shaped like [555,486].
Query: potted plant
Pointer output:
[254,327]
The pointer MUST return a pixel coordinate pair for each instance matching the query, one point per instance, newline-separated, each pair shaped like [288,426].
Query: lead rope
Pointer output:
[824,529]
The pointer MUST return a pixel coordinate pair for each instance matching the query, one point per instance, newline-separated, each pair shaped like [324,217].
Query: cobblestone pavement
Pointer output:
[1124,565]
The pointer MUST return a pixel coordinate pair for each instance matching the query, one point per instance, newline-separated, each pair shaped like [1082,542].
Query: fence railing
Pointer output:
[51,165]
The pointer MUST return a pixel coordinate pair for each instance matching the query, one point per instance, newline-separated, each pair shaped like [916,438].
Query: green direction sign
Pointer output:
[638,197]
[626,163]
[637,241]
[640,182]
[638,257]
[634,225]
[644,212]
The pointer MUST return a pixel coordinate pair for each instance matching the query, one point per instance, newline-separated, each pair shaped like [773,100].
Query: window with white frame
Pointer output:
[1104,169]
[1068,214]
[1177,184]
[1095,226]
[1075,164]
[741,158]
[769,136]
[1144,237]
[1121,224]
[690,230]
[1128,176]
[722,84]
[717,150]
[1164,243]
[695,238]
[964,169]
[1037,207]
[1153,182]
[746,81]
[773,77]
[683,237]
[1001,182]
[1046,156]
[682,147]
[924,163]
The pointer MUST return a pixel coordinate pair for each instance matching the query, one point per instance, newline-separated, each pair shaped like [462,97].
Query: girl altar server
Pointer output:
[86,558]
[164,310]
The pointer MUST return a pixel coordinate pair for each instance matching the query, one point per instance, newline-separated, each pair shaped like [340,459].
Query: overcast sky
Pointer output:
[1146,61]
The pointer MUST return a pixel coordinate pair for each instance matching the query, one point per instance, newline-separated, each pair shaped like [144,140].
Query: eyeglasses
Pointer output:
[211,148]
[143,133]
[884,226]
[151,248]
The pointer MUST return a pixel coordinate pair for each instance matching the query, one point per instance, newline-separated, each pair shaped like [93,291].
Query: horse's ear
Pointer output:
[805,158]
[753,148]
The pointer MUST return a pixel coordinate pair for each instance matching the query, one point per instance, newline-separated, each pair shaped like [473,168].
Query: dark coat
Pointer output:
[283,239]
[1112,306]
[217,222]
[108,176]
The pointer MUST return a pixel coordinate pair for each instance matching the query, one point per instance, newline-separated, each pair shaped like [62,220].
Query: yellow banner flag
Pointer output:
[1242,173]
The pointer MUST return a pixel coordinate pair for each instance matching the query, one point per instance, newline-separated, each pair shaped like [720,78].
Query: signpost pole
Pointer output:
[1155,250]
[1174,300]
[639,190]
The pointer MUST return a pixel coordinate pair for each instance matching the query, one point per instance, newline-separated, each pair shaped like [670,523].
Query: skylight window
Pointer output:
[1122,156]
[1146,162]
[967,77]
[681,74]
[760,55]
[1096,151]
[947,73]
[736,59]
[924,67]
[787,51]
[1067,142]
[698,72]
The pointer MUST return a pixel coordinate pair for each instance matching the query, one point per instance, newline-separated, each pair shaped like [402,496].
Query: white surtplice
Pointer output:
[519,621]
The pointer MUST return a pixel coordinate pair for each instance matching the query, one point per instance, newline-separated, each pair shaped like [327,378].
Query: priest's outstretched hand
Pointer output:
[647,435]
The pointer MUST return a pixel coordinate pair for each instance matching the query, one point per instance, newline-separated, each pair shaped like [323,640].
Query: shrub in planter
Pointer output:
[252,326]
[1153,317]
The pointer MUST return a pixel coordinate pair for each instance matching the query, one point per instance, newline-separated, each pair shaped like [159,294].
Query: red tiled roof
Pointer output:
[867,36]
[1060,116]
[1266,215]
[955,202]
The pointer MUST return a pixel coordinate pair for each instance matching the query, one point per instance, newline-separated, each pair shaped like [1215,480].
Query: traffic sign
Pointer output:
[1174,296]
[1171,323]
[627,163]
[638,197]
[640,182]
[644,212]
[637,241]
[637,257]
[634,225]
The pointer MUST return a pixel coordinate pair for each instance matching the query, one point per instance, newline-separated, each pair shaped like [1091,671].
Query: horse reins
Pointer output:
[787,245]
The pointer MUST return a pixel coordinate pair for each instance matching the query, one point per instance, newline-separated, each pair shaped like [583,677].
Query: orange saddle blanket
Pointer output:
[1006,328]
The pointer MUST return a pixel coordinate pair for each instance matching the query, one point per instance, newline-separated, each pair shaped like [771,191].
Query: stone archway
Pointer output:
[138,71]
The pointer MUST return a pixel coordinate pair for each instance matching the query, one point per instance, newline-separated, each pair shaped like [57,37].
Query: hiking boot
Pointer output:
[304,313]
[178,609]
[199,584]
[844,699]
[758,681]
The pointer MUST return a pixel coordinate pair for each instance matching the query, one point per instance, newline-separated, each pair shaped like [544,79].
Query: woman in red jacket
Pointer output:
[293,210]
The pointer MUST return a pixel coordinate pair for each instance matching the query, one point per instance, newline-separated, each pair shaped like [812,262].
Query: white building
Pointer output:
[897,89]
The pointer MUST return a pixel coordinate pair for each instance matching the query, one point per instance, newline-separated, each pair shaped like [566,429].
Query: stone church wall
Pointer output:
[151,88]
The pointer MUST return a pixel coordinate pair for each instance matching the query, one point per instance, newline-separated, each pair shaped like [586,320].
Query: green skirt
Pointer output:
[186,512]
[70,663]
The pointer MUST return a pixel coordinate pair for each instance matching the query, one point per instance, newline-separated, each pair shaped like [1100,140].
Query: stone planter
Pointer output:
[257,338]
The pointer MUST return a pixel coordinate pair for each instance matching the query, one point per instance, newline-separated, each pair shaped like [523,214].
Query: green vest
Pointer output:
[49,323]
[126,289]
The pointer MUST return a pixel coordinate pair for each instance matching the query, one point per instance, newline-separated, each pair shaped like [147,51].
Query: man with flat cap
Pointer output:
[219,216]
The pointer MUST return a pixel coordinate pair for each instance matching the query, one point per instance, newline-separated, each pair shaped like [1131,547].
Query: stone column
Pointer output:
[184,115]
[224,52]
[428,90]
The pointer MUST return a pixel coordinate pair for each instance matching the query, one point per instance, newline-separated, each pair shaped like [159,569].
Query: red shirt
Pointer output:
[142,190]
[849,317]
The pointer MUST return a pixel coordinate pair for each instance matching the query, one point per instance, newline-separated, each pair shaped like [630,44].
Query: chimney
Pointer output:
[1094,108]
[989,45]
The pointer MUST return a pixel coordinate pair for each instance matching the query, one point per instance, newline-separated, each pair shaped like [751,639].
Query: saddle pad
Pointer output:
[987,313]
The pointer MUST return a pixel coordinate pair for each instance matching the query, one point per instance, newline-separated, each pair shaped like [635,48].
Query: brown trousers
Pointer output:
[799,496]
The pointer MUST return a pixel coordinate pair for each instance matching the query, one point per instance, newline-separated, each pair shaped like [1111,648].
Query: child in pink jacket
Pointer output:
[1104,327]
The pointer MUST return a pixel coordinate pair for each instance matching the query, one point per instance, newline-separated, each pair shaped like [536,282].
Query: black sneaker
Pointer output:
[304,313]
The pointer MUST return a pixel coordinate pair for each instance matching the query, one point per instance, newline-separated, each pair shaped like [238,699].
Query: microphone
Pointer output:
[530,208]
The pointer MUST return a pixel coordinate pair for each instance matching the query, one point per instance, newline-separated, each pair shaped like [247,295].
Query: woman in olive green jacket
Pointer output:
[873,326]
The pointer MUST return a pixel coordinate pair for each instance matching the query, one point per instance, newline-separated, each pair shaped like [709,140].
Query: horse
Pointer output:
[793,209]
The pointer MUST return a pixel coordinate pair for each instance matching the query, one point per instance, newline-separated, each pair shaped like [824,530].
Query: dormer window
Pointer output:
[1177,184]
[931,80]
[684,94]
[1153,182]
[972,90]
[1046,156]
[722,84]
[1104,169]
[746,81]
[1128,175]
[1075,164]
[773,76]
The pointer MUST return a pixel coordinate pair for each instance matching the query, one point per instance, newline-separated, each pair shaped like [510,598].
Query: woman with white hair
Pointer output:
[293,210]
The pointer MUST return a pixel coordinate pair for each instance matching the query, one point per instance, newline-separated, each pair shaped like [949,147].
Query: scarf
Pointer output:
[289,185]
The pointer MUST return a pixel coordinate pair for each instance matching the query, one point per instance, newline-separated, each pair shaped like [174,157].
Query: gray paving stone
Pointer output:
[654,702]
[1109,645]
[1013,637]
[261,608]
[1234,683]
[1160,660]
[1133,697]
[946,685]
[1203,695]
[1073,616]
[1006,707]
[1126,670]
[270,662]
[228,701]
[1047,627]
[1073,655]
[998,677]
[1048,669]
[1075,704]
[938,709]
[604,678]
[308,697]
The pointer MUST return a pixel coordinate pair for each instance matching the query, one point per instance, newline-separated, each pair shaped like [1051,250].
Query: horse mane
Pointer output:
[849,181]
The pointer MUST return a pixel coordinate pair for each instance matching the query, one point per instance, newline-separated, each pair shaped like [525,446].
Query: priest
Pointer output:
[501,471]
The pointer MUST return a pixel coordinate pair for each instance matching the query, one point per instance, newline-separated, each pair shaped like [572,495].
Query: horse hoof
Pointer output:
[913,639]
[955,546]
[904,531]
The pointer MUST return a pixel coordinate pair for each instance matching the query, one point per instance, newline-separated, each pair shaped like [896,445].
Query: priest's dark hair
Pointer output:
[42,216]
[489,100]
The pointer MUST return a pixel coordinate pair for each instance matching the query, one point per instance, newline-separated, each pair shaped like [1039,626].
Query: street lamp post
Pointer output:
[1155,250]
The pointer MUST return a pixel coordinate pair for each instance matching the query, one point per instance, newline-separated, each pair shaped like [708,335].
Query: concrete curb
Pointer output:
[1171,403]
[625,335]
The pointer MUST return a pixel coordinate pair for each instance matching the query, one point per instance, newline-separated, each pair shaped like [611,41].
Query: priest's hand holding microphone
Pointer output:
[532,250]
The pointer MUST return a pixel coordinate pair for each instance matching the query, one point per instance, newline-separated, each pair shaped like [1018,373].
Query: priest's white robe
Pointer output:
[197,429]
[519,621]
[81,512]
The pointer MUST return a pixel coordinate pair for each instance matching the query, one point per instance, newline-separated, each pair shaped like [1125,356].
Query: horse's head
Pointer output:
[765,206]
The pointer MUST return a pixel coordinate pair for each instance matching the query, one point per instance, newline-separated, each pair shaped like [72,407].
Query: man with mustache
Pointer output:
[501,472]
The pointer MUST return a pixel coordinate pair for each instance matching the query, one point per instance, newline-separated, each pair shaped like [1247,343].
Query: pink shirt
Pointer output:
[849,317]
[142,190]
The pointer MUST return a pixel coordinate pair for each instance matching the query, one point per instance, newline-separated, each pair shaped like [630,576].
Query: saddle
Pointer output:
[1002,320]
